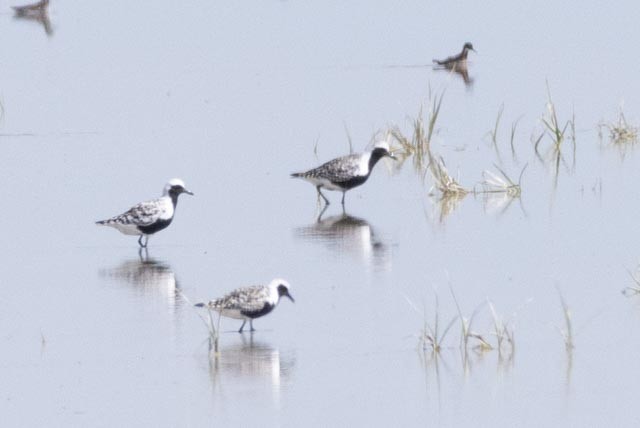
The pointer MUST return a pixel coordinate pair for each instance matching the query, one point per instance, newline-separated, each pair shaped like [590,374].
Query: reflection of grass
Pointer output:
[567,332]
[620,131]
[494,183]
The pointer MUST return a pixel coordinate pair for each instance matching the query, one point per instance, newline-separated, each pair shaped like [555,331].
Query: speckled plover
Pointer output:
[248,303]
[149,217]
[453,60]
[346,172]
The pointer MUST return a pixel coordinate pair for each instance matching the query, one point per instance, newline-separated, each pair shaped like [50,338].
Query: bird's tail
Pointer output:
[297,175]
[200,305]
[102,222]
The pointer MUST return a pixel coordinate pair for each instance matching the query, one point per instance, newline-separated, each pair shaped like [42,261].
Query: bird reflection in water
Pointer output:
[460,69]
[35,12]
[251,360]
[148,275]
[350,235]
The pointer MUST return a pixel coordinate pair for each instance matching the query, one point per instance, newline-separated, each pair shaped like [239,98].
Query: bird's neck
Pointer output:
[173,196]
[374,157]
[464,53]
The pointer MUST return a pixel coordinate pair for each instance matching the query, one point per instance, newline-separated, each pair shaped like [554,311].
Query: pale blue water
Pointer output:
[232,98]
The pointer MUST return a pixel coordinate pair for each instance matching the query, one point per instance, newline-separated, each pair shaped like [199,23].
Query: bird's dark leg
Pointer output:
[343,194]
[140,242]
[319,219]
[326,201]
[242,326]
[251,326]
[143,254]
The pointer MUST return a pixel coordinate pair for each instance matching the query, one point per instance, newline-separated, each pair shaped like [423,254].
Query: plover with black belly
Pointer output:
[346,172]
[248,303]
[149,217]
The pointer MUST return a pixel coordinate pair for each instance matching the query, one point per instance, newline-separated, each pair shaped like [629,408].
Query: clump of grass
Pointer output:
[430,336]
[504,331]
[557,133]
[567,331]
[214,329]
[620,131]
[494,183]
[443,181]
[419,144]
[466,333]
[552,125]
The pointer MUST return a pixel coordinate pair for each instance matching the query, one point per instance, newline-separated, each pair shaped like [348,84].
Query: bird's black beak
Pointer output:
[392,156]
[290,297]
[187,192]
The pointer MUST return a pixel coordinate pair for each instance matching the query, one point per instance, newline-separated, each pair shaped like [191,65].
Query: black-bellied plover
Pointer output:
[346,172]
[149,217]
[248,303]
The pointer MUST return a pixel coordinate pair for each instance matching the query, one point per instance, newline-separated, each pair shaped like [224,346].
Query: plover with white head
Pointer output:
[346,172]
[248,303]
[149,217]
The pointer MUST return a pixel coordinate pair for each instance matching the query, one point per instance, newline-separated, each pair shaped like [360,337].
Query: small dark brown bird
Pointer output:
[452,60]
[31,9]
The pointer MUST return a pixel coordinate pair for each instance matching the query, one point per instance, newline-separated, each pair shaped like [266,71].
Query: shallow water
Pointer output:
[120,97]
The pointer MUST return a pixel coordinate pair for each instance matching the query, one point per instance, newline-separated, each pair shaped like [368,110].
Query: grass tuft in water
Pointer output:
[620,131]
[419,145]
[214,329]
[504,330]
[466,333]
[443,181]
[552,125]
[430,337]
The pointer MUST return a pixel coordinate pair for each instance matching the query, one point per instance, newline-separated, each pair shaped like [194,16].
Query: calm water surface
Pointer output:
[119,97]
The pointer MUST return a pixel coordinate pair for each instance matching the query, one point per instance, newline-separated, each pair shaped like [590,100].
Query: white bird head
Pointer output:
[175,186]
[281,287]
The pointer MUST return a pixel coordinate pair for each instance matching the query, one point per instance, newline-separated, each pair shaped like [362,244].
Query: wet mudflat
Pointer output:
[107,101]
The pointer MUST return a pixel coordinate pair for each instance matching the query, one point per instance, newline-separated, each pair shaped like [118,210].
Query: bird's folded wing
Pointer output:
[144,213]
[341,169]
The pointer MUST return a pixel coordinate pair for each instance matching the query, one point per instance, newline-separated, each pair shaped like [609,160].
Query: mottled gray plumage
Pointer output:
[246,299]
[248,303]
[142,214]
[338,170]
